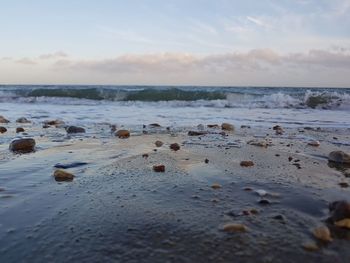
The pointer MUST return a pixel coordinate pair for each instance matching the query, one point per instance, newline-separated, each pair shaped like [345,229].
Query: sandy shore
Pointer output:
[118,209]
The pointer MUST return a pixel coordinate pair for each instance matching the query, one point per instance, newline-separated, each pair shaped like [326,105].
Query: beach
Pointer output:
[226,192]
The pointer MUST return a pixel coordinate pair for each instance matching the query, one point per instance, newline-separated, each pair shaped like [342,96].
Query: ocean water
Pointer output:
[178,106]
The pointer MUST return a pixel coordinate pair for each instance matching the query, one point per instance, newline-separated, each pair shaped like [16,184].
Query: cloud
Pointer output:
[58,54]
[257,59]
[26,61]
[267,67]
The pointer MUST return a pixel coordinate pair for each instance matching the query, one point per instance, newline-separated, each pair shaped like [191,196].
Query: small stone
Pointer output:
[314,143]
[264,202]
[75,129]
[216,186]
[279,217]
[159,143]
[3,120]
[258,143]
[61,175]
[122,134]
[277,127]
[345,223]
[310,246]
[19,129]
[145,155]
[322,233]
[54,123]
[45,126]
[290,158]
[206,160]
[213,126]
[196,133]
[24,145]
[344,184]
[159,168]
[175,147]
[339,210]
[254,211]
[339,157]
[154,125]
[3,129]
[234,227]
[247,163]
[22,120]
[227,127]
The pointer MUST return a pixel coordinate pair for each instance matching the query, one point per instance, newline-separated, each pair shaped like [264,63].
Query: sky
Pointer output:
[176,42]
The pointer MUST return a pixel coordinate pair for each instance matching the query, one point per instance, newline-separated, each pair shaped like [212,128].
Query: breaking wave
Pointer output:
[234,97]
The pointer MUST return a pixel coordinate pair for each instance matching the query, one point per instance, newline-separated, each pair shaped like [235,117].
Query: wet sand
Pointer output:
[117,209]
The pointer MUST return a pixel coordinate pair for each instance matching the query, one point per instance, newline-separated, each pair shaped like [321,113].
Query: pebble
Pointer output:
[213,126]
[339,157]
[345,223]
[122,134]
[206,160]
[314,143]
[75,129]
[24,145]
[234,227]
[216,186]
[310,246]
[145,155]
[247,163]
[61,175]
[227,127]
[175,147]
[3,119]
[196,133]
[264,202]
[22,120]
[261,192]
[339,210]
[322,233]
[154,125]
[19,129]
[159,143]
[159,168]
[3,129]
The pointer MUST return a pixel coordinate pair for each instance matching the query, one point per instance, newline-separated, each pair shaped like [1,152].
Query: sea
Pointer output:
[178,106]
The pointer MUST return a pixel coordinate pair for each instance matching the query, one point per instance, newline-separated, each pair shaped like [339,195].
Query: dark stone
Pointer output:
[175,146]
[75,129]
[24,145]
[3,129]
[339,210]
[159,168]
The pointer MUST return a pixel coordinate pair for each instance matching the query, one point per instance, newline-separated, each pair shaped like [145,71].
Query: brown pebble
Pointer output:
[175,147]
[234,227]
[145,155]
[159,143]
[61,175]
[322,233]
[3,129]
[216,186]
[247,163]
[19,129]
[310,246]
[159,168]
[122,134]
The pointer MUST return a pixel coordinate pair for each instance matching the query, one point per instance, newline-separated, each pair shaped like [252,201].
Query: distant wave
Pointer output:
[182,97]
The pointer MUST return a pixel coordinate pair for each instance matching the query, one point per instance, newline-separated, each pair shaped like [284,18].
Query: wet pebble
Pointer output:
[339,157]
[61,175]
[216,186]
[174,146]
[234,227]
[322,233]
[247,163]
[24,145]
[122,134]
[3,129]
[159,143]
[159,168]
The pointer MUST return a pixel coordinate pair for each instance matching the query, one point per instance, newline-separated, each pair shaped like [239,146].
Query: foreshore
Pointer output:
[227,194]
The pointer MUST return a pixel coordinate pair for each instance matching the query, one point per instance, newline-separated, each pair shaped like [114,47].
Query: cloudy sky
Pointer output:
[176,42]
